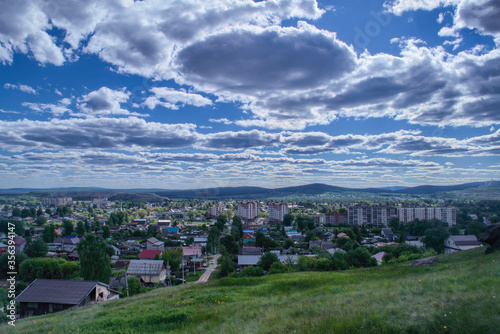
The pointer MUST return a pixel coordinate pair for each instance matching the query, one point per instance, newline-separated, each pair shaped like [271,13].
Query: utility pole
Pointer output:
[126,283]
[182,272]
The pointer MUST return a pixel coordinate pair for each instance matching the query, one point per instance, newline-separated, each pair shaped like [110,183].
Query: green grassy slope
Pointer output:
[459,295]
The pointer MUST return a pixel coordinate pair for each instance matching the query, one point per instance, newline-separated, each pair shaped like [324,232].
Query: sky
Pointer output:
[200,94]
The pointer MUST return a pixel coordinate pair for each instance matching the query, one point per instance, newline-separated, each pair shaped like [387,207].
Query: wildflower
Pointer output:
[444,326]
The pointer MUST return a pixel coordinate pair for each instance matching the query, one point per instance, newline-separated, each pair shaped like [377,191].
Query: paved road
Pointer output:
[206,275]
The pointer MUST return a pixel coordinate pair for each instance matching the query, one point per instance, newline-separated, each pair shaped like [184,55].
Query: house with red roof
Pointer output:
[149,254]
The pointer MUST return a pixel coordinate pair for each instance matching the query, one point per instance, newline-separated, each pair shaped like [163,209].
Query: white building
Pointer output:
[56,201]
[456,243]
[374,215]
[444,214]
[217,210]
[277,211]
[248,210]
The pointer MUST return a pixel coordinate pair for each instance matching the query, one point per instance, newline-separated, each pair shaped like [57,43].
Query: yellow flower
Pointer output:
[444,326]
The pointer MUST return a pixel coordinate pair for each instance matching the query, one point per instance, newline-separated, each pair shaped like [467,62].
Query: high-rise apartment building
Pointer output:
[56,201]
[444,214]
[375,215]
[217,210]
[248,210]
[277,211]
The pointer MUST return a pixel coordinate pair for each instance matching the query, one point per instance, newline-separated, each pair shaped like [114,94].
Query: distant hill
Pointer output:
[155,195]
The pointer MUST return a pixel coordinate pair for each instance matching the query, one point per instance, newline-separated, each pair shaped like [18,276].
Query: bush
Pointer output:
[360,257]
[252,271]
[279,268]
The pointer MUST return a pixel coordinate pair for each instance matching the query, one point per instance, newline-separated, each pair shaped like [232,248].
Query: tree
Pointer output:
[237,228]
[134,286]
[454,230]
[213,239]
[172,257]
[106,232]
[288,243]
[221,222]
[41,220]
[25,213]
[227,266]
[288,219]
[49,234]
[39,212]
[231,247]
[37,248]
[16,212]
[474,228]
[95,263]
[267,260]
[360,257]
[434,238]
[252,271]
[68,227]
[32,269]
[279,268]
[80,228]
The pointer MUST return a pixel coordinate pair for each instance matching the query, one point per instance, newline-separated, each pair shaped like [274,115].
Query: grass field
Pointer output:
[459,295]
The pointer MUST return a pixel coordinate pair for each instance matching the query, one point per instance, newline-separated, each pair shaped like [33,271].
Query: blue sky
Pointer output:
[196,94]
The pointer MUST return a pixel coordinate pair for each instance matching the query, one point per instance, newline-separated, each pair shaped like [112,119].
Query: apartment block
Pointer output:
[217,210]
[56,201]
[444,214]
[277,211]
[375,215]
[248,210]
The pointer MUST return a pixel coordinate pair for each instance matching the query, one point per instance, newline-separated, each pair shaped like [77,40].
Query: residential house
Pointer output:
[456,243]
[251,251]
[414,240]
[252,260]
[314,243]
[114,228]
[148,271]
[47,296]
[386,232]
[117,250]
[148,254]
[155,244]
[118,282]
[67,244]
[248,238]
[19,243]
[200,241]
[197,262]
[120,265]
[334,250]
[190,252]
[3,248]
[327,244]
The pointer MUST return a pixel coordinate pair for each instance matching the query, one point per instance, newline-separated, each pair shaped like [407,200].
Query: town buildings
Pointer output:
[444,214]
[216,210]
[56,201]
[277,211]
[374,215]
[248,210]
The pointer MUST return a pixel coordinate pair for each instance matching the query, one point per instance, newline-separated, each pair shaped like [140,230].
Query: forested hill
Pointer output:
[155,195]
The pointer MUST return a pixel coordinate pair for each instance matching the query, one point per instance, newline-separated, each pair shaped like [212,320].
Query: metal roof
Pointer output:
[57,291]
[145,267]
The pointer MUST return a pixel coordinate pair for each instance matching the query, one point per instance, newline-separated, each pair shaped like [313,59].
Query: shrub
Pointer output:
[252,271]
